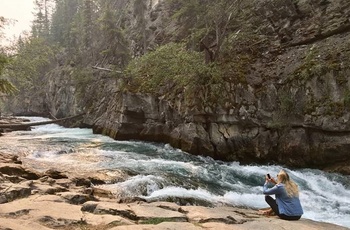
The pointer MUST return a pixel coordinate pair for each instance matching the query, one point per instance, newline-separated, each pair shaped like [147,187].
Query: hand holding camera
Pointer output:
[270,179]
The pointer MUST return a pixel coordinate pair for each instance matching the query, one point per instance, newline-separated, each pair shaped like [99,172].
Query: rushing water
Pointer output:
[160,172]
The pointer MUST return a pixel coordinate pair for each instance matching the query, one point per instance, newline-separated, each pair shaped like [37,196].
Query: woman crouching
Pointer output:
[287,204]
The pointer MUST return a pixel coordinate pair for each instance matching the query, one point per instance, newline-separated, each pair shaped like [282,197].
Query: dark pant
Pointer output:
[274,206]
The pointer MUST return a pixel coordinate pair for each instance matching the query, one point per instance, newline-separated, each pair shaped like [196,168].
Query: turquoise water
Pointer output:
[160,172]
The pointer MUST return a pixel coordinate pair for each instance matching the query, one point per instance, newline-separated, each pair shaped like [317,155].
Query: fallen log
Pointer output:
[105,69]
[25,126]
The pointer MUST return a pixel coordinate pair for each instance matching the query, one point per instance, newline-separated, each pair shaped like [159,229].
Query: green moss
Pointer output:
[109,132]
[112,134]
[314,65]
[305,70]
[347,99]
[287,104]
[82,225]
[309,108]
[335,108]
[276,125]
[341,79]
[156,220]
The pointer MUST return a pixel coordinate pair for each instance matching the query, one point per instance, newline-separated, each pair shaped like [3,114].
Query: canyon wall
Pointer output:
[289,106]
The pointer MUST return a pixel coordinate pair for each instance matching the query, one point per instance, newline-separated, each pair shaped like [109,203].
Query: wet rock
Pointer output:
[47,180]
[10,192]
[76,198]
[48,189]
[58,223]
[131,200]
[82,182]
[17,170]
[18,213]
[13,179]
[55,174]
[7,158]
[89,207]
[65,183]
[99,192]
[90,181]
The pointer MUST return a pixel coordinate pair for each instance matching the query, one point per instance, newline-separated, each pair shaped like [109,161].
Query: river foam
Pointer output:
[160,172]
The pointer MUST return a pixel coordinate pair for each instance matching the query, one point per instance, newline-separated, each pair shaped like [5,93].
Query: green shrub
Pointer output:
[171,71]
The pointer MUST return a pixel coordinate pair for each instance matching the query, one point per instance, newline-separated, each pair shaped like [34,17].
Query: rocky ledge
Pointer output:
[6,122]
[53,200]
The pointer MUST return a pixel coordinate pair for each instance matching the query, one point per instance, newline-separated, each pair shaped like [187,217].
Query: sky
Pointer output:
[19,10]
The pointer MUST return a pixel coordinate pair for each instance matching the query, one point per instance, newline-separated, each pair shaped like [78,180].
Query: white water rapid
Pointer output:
[160,172]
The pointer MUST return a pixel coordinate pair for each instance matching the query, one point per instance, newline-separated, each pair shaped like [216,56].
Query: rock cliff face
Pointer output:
[292,108]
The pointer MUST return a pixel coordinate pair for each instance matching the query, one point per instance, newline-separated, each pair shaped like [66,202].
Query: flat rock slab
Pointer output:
[134,211]
[279,224]
[39,206]
[53,212]
[7,223]
[50,211]
[163,226]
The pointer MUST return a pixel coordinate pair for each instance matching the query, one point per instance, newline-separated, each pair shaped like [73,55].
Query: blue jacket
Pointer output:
[289,206]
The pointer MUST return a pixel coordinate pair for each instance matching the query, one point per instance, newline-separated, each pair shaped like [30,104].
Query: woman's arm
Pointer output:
[270,191]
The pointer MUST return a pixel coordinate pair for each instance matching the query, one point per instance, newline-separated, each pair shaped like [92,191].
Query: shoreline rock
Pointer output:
[53,200]
[11,120]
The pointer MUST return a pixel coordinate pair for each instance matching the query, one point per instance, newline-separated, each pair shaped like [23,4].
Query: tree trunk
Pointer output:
[26,126]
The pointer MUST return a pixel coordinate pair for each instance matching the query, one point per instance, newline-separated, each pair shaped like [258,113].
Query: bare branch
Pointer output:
[105,69]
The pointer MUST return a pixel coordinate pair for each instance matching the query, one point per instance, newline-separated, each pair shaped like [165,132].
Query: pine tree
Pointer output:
[5,86]
[41,23]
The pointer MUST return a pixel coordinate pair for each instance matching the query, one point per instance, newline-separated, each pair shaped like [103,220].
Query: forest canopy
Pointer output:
[81,34]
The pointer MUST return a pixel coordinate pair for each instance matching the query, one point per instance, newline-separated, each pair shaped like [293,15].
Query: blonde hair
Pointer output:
[291,187]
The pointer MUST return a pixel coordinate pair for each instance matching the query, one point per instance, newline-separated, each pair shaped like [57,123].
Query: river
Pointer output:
[160,172]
